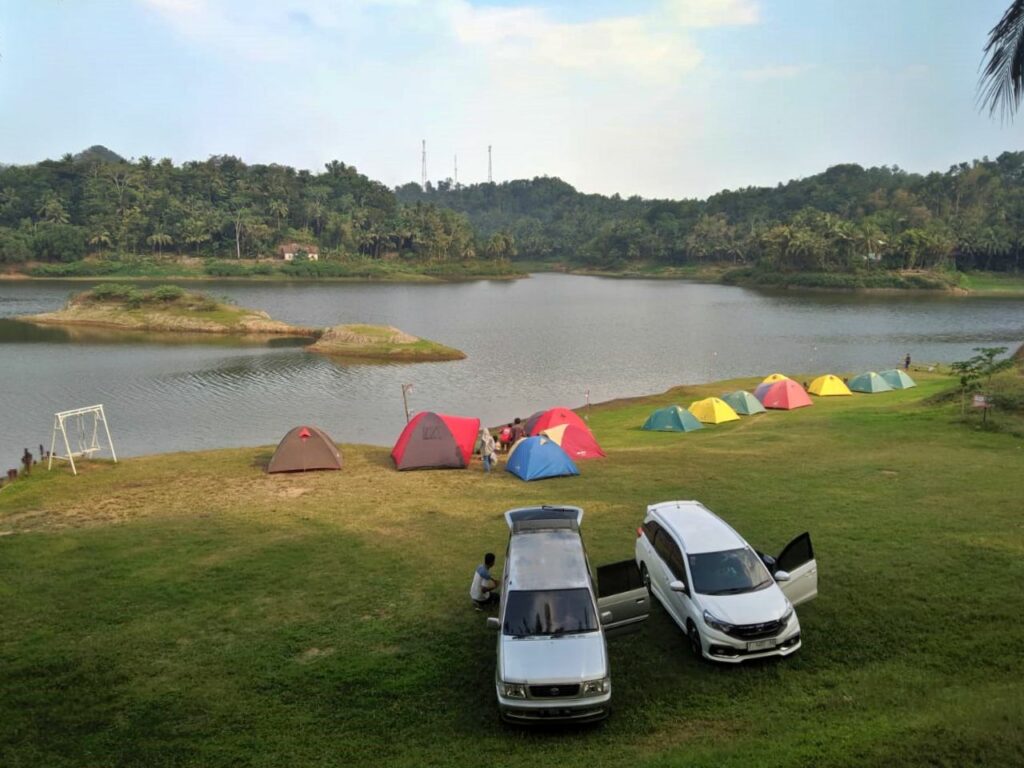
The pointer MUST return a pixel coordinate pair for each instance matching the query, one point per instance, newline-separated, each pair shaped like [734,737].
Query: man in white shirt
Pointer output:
[484,589]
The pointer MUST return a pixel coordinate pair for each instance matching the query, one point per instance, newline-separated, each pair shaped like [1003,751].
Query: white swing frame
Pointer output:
[78,414]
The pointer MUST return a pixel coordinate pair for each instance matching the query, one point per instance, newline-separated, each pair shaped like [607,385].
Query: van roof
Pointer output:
[697,528]
[550,559]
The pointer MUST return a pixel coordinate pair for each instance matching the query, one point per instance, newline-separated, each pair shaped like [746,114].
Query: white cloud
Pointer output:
[713,13]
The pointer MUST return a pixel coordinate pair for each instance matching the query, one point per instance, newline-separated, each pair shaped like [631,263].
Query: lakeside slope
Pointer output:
[187,608]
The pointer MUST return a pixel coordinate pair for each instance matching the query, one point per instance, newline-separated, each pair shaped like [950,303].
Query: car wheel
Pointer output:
[693,634]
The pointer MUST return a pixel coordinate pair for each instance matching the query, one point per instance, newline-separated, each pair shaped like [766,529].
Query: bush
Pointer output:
[111,292]
[227,269]
[76,269]
[58,242]
[166,293]
[15,247]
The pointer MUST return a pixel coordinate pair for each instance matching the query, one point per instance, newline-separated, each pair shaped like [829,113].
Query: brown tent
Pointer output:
[305,448]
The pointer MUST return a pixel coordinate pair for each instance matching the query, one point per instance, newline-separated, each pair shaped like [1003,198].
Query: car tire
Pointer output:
[693,635]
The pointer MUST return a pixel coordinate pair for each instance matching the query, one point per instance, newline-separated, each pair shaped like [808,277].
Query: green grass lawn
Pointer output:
[188,609]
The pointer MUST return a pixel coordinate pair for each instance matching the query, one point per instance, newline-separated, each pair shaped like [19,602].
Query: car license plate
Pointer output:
[761,645]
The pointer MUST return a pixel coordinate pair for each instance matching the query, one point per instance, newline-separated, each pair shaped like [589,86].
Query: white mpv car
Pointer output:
[718,589]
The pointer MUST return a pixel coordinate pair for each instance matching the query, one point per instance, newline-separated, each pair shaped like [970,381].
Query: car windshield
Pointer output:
[728,573]
[549,612]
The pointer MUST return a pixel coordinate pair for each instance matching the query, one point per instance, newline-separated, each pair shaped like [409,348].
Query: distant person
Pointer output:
[518,433]
[505,437]
[488,450]
[484,589]
[26,462]
[906,362]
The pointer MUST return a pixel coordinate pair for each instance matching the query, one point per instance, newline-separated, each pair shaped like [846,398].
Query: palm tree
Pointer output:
[158,240]
[1002,80]
[100,239]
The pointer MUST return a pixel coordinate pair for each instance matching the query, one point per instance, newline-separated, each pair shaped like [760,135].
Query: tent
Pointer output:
[898,379]
[743,403]
[434,441]
[535,458]
[528,426]
[713,410]
[828,385]
[870,383]
[552,418]
[672,419]
[577,443]
[303,449]
[774,377]
[785,396]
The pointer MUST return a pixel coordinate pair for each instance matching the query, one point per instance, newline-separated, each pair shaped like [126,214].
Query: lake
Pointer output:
[531,344]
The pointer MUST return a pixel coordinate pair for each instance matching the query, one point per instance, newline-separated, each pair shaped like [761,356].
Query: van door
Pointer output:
[621,591]
[797,559]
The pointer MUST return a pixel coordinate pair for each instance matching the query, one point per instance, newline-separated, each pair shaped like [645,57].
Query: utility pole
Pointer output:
[423,167]
[490,176]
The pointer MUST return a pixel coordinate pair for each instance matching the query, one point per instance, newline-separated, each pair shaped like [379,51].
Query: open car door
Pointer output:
[797,559]
[621,592]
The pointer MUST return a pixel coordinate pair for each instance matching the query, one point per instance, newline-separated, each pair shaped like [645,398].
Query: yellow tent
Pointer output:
[827,385]
[713,410]
[775,377]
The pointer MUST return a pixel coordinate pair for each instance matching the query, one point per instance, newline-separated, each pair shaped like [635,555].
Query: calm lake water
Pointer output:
[530,343]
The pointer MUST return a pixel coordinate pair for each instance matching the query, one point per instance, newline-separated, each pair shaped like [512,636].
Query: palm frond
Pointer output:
[1001,86]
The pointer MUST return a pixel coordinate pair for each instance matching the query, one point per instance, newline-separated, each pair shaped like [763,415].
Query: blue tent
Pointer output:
[538,457]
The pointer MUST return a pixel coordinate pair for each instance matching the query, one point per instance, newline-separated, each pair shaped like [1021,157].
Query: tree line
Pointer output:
[99,203]
[847,218]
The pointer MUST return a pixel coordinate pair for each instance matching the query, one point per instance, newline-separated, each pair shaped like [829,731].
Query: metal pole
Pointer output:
[53,444]
[588,404]
[405,400]
[107,430]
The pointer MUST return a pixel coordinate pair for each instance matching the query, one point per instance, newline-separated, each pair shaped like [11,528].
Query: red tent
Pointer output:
[578,443]
[554,417]
[785,396]
[435,440]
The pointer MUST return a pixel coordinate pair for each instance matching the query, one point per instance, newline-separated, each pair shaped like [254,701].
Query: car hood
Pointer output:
[566,659]
[766,604]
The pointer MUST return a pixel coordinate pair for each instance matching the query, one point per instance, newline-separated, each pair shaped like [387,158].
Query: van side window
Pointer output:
[675,563]
[670,554]
[663,544]
[651,529]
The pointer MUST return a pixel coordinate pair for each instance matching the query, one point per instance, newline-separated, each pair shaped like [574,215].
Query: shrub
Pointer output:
[58,242]
[166,293]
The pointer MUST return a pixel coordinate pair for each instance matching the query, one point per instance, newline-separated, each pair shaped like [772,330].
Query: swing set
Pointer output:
[85,432]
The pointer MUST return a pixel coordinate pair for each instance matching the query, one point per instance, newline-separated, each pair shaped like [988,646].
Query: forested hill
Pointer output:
[96,202]
[846,218]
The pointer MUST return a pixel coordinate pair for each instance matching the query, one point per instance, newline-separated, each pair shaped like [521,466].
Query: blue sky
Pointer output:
[661,98]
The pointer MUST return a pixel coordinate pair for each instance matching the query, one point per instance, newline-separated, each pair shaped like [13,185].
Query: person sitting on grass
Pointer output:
[484,589]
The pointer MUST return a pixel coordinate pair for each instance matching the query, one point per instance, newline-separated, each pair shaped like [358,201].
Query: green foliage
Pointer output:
[982,366]
[15,246]
[133,297]
[54,241]
[167,293]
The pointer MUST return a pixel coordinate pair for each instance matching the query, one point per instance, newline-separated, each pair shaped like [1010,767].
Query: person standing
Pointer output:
[518,433]
[488,451]
[906,362]
[483,591]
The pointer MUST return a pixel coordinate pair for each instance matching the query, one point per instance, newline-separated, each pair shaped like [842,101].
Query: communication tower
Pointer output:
[423,166]
[490,176]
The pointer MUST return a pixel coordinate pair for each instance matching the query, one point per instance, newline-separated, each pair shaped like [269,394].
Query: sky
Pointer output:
[658,98]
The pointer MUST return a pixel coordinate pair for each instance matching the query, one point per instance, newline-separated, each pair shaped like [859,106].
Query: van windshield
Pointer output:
[730,572]
[549,612]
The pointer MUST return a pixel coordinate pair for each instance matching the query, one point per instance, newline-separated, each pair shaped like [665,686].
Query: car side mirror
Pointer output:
[782,575]
[678,586]
[493,622]
[606,617]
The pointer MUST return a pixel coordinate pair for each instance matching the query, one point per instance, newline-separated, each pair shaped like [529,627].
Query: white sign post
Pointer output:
[86,433]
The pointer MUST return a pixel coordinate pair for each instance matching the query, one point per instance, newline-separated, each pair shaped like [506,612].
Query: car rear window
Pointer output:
[548,612]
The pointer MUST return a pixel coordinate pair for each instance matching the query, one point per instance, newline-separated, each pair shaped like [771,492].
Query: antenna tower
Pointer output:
[423,166]
[455,179]
[490,176]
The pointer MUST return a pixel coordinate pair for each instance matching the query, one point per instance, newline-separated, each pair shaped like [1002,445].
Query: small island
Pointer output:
[380,342]
[166,308]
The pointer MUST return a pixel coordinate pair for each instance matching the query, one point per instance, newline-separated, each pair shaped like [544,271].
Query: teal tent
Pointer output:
[744,403]
[898,379]
[672,419]
[869,382]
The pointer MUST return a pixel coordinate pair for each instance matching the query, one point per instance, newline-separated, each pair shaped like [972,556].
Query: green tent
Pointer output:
[869,382]
[744,403]
[898,379]
[672,419]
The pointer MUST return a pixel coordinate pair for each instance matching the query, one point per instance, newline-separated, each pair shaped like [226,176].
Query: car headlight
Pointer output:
[788,614]
[716,623]
[595,687]
[513,690]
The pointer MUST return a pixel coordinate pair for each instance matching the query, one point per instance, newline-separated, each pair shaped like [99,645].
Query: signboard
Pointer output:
[980,401]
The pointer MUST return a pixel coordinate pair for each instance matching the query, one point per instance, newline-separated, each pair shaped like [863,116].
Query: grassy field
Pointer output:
[188,609]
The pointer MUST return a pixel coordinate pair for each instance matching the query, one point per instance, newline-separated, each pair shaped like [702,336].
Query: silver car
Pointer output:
[552,659]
